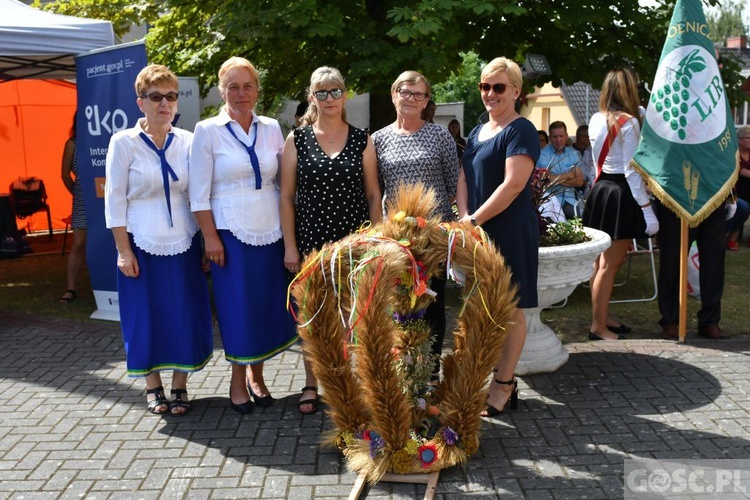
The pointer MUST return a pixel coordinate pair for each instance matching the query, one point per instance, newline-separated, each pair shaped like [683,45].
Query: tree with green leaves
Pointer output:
[728,21]
[461,86]
[372,41]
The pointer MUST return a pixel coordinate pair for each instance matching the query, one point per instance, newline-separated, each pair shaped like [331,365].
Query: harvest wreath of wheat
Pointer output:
[359,304]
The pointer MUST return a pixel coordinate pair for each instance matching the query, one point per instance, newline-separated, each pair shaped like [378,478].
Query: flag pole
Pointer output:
[683,280]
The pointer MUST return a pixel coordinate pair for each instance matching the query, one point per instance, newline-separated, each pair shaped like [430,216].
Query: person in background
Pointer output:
[563,170]
[428,113]
[582,142]
[234,194]
[543,139]
[325,142]
[77,255]
[413,150]
[165,313]
[583,146]
[299,113]
[494,191]
[743,190]
[618,204]
[454,127]
[711,238]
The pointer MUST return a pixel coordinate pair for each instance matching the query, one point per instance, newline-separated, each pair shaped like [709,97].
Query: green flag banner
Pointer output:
[688,148]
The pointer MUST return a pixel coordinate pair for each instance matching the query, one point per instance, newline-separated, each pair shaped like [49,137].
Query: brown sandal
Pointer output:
[312,402]
[67,296]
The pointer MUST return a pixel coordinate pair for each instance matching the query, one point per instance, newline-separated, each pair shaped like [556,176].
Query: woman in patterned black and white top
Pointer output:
[329,183]
[412,150]
[77,255]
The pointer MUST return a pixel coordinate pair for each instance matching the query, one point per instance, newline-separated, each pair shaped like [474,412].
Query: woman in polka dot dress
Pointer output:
[329,184]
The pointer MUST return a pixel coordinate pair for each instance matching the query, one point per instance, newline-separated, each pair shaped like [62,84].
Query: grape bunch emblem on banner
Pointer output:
[688,101]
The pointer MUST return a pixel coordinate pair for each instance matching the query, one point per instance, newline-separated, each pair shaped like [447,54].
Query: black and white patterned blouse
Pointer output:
[331,201]
[427,156]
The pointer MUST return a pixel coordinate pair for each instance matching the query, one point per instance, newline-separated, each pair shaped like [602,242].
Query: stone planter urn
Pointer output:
[561,270]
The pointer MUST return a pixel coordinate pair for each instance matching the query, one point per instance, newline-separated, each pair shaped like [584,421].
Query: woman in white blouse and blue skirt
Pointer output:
[235,197]
[165,312]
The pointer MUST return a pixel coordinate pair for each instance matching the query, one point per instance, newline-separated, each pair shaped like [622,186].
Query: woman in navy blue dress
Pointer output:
[494,192]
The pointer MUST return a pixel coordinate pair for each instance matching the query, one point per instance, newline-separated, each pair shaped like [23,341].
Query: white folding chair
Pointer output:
[646,249]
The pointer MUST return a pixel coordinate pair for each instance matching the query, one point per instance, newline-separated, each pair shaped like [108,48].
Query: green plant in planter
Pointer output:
[552,234]
[569,232]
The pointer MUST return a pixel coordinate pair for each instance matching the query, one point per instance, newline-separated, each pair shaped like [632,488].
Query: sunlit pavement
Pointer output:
[73,425]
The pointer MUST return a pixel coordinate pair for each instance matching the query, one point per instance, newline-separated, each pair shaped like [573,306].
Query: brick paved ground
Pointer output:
[72,425]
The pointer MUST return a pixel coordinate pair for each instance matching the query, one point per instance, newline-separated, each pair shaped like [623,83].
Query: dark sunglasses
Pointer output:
[498,88]
[322,95]
[157,97]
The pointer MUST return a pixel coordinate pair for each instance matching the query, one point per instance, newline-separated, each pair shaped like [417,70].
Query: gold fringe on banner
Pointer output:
[691,180]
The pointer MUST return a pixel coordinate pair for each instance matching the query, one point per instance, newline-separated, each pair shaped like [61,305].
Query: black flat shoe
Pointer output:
[593,336]
[263,402]
[623,328]
[242,408]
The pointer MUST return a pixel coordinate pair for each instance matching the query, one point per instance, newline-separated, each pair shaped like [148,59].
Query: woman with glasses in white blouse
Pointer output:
[165,312]
[235,197]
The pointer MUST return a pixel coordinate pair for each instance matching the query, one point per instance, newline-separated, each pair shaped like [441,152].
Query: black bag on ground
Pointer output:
[27,196]
[10,238]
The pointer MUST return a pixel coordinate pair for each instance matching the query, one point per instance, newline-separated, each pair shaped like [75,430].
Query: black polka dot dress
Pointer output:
[331,200]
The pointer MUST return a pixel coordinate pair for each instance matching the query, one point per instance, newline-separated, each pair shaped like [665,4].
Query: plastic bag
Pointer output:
[693,270]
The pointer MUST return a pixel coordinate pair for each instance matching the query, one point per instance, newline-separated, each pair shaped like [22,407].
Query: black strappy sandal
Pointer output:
[512,402]
[312,402]
[159,400]
[178,402]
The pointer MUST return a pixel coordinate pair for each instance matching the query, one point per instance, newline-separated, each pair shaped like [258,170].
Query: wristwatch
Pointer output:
[474,221]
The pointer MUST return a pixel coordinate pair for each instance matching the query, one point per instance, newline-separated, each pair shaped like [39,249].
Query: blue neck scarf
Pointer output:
[250,151]
[166,170]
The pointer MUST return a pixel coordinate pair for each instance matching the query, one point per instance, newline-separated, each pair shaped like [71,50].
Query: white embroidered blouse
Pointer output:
[134,192]
[222,178]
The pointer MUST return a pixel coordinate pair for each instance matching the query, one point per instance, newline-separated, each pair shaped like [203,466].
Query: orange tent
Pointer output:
[35,121]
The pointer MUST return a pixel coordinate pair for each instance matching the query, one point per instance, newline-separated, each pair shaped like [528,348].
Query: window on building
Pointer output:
[742,115]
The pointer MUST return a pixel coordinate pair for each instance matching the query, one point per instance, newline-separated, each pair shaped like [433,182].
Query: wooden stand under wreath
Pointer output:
[360,304]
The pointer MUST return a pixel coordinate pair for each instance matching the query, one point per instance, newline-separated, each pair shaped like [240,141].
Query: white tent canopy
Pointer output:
[39,44]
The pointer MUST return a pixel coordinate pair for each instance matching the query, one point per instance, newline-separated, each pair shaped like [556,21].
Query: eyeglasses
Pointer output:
[406,94]
[322,95]
[157,97]
[499,88]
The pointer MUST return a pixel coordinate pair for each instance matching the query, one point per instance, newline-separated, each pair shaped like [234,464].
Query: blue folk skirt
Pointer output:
[165,312]
[250,297]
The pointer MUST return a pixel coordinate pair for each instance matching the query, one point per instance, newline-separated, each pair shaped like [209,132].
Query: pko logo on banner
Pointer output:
[720,479]
[111,122]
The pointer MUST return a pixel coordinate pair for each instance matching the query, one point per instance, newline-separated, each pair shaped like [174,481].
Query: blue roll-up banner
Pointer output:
[106,104]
